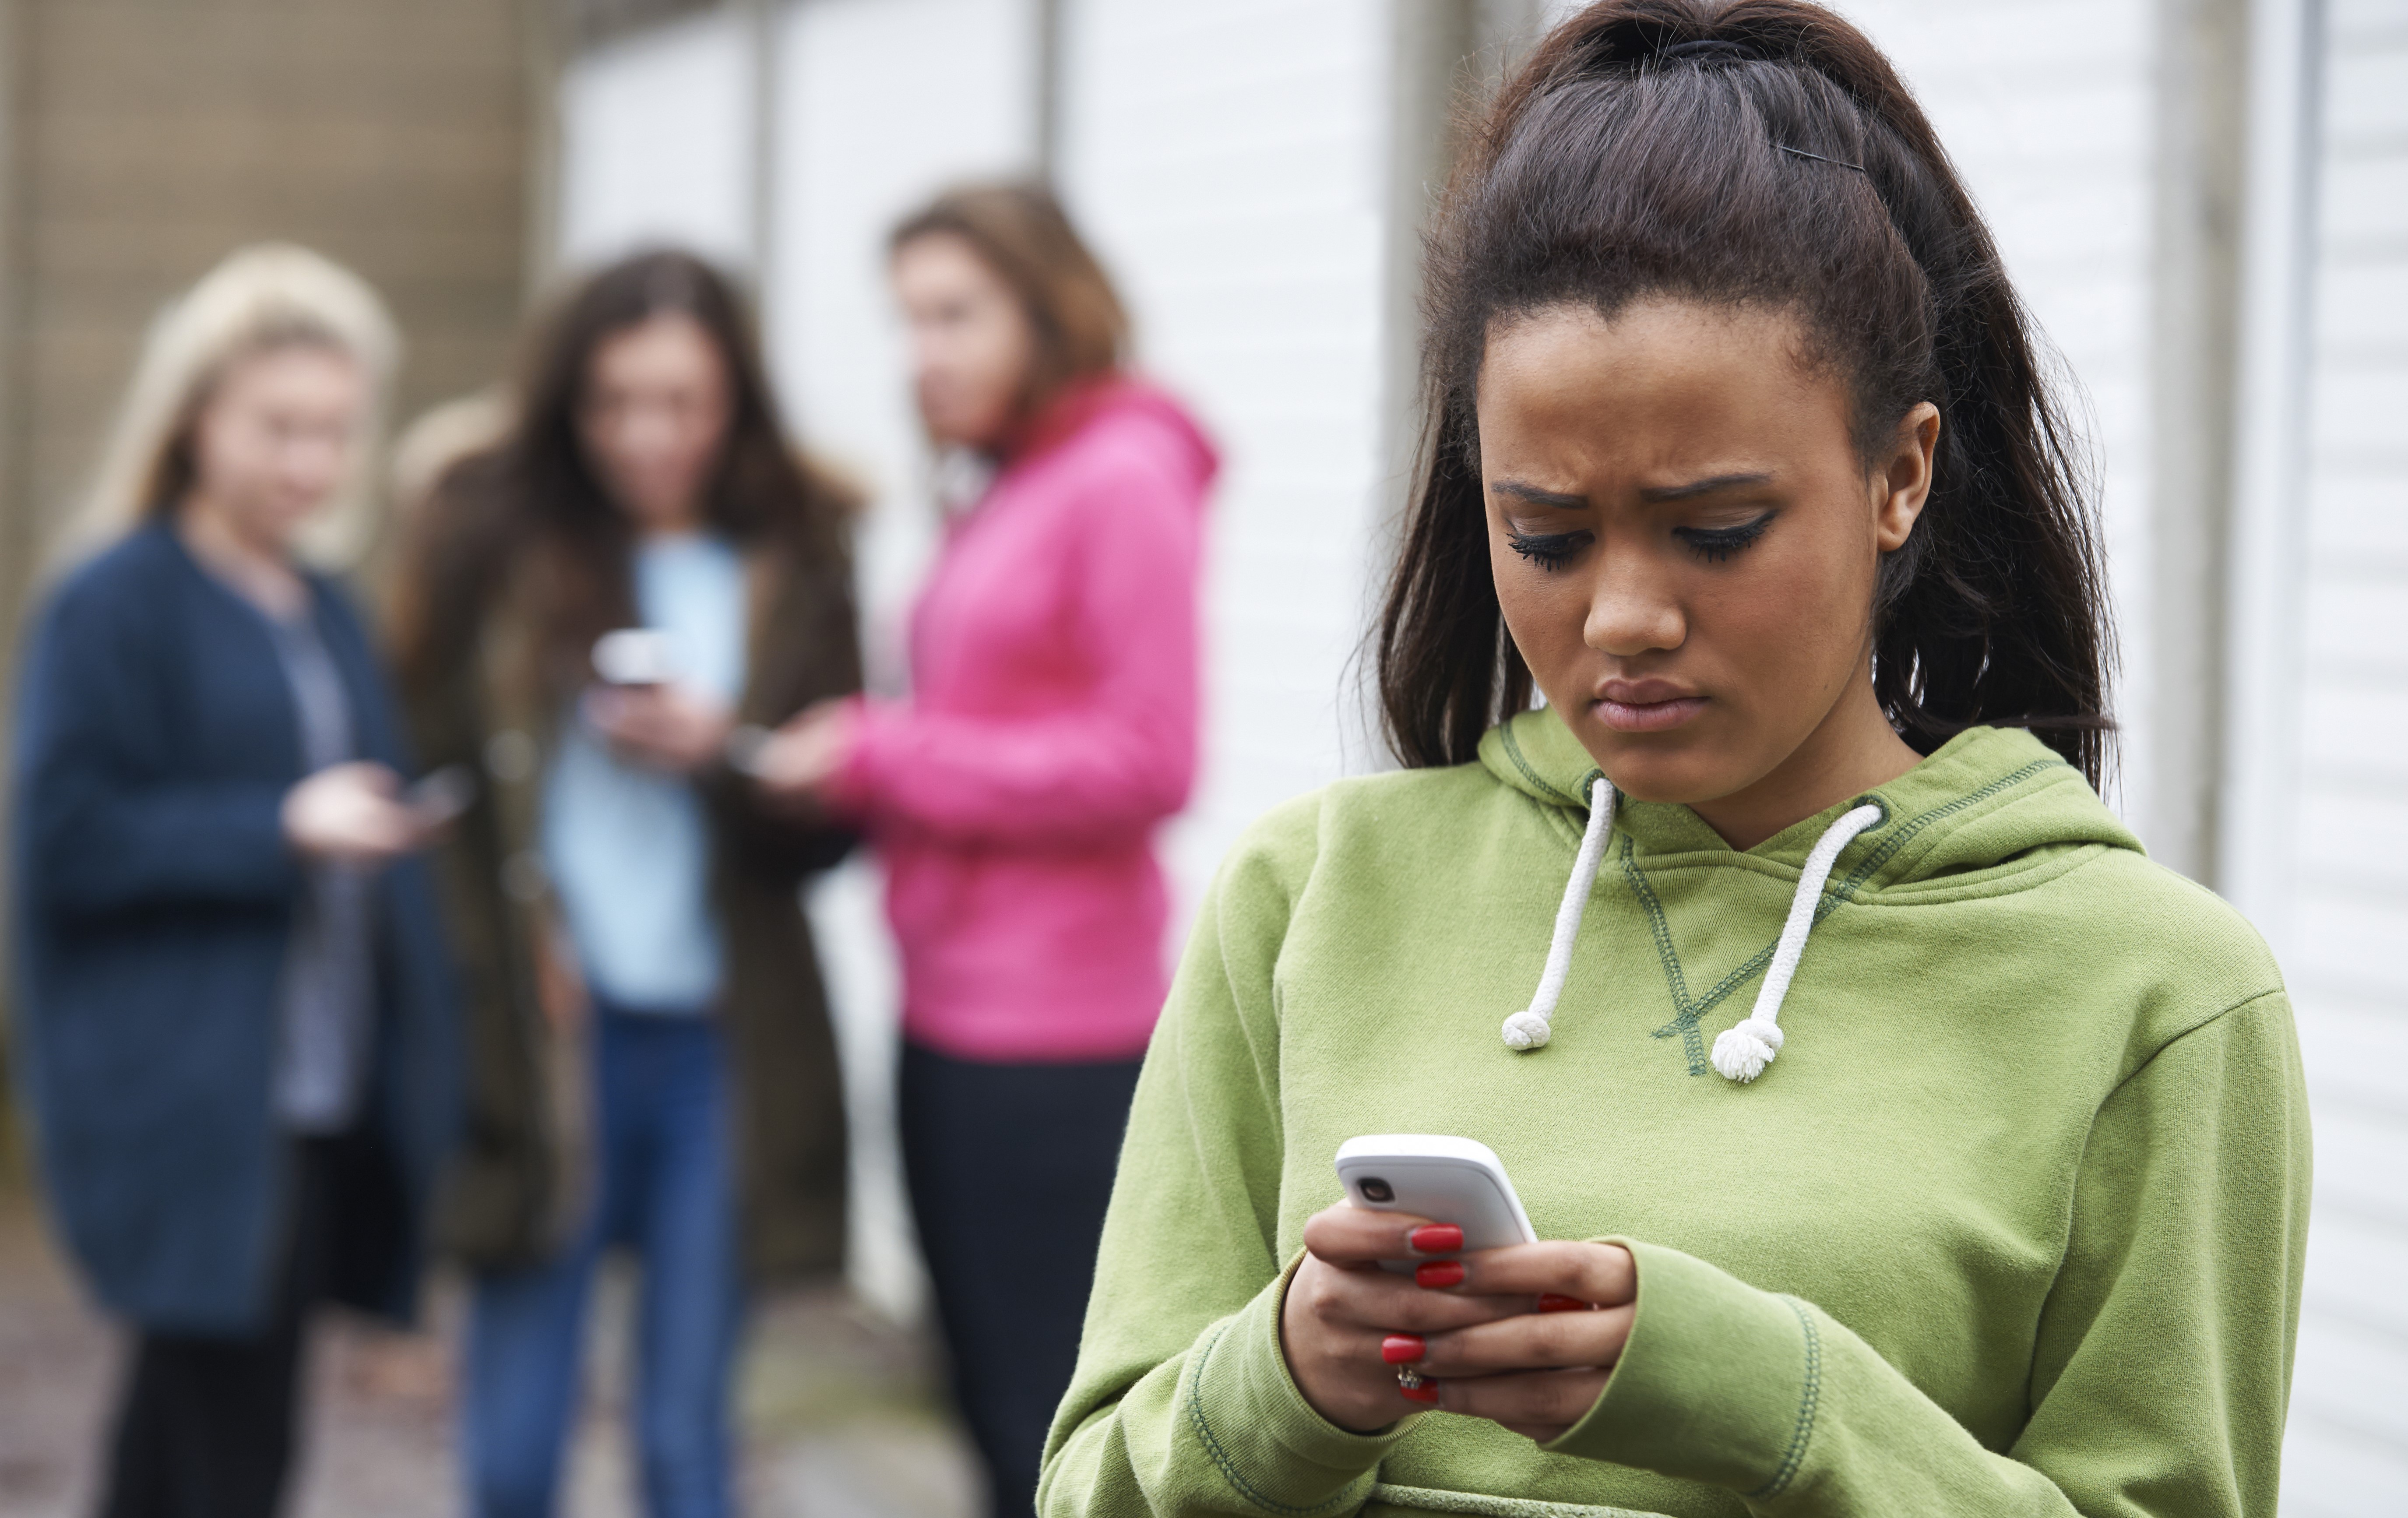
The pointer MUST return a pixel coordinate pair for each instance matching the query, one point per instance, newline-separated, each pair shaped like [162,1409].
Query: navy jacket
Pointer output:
[156,737]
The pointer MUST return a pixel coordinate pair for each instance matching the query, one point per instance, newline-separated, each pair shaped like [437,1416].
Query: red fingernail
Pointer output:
[1439,1273]
[1552,1302]
[1402,1349]
[1418,1394]
[1436,1238]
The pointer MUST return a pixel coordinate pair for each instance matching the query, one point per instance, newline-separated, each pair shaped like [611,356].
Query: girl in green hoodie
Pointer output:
[1901,1139]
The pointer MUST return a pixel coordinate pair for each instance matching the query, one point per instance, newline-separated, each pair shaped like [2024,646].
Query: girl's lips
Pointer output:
[1648,716]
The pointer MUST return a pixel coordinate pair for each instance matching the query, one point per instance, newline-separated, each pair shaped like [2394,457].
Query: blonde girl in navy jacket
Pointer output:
[233,1028]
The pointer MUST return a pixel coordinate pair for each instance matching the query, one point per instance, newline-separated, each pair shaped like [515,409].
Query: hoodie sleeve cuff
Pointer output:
[1718,1382]
[1243,1407]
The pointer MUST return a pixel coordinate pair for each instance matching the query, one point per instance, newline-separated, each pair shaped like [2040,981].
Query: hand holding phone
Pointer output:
[635,656]
[1425,1287]
[1445,1180]
[350,813]
[646,713]
[439,797]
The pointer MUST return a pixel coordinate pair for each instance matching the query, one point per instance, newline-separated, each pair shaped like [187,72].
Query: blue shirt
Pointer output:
[628,849]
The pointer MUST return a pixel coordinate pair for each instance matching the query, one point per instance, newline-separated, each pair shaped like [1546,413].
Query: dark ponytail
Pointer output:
[1760,153]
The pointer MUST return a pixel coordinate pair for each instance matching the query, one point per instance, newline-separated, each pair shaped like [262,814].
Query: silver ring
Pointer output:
[1410,1378]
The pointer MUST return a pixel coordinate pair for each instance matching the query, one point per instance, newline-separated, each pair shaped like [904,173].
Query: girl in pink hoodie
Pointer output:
[1014,799]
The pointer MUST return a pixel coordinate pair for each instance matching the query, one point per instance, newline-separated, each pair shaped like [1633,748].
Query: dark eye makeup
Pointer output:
[1548,550]
[1715,545]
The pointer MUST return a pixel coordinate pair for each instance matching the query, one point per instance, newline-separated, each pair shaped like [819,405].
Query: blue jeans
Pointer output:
[666,1188]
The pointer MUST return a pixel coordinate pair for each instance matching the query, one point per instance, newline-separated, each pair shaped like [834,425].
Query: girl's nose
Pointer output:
[1632,611]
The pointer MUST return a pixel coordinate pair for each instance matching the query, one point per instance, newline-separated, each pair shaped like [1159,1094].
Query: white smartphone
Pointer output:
[443,796]
[635,656]
[1443,1179]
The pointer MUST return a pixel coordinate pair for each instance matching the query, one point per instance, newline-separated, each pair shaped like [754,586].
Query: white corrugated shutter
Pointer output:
[656,144]
[2346,949]
[881,103]
[1229,162]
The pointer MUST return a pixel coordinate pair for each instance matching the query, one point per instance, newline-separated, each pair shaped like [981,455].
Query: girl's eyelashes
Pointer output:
[1548,550]
[1551,552]
[1717,544]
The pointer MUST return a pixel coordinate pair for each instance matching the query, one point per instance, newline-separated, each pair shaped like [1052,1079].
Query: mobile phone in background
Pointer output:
[635,656]
[744,745]
[440,796]
[1437,1177]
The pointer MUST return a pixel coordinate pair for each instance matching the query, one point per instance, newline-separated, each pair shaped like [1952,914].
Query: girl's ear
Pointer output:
[1903,483]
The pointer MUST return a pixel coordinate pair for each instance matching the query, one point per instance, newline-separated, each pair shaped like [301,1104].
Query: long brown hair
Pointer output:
[536,492]
[1023,235]
[1759,153]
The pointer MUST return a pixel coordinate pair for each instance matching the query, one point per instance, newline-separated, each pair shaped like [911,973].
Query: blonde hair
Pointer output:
[262,297]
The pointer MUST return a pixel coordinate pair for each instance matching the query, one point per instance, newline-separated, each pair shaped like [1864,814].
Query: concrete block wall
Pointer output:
[148,140]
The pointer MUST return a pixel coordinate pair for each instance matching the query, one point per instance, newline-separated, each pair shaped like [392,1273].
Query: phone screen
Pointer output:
[635,656]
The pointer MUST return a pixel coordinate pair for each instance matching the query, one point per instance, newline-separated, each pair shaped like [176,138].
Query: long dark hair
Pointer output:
[1023,235]
[536,491]
[1759,153]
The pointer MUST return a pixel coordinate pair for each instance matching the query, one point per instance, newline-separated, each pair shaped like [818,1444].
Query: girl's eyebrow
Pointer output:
[1702,487]
[1536,496]
[1652,493]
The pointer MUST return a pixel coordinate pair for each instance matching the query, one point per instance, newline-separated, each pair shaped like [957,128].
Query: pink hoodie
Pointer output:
[1052,725]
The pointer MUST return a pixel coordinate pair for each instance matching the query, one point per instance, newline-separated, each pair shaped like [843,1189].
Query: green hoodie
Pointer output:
[2013,1224]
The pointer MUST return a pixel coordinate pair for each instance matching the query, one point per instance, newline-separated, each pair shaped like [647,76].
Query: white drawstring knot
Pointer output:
[1741,1053]
[1528,1030]
[1744,1052]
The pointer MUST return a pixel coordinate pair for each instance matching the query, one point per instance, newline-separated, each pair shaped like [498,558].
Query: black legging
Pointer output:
[205,1428]
[1010,1169]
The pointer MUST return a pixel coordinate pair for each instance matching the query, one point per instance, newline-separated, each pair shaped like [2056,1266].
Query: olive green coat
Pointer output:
[480,696]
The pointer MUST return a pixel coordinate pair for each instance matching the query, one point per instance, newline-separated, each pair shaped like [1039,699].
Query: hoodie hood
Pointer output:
[1990,798]
[1116,404]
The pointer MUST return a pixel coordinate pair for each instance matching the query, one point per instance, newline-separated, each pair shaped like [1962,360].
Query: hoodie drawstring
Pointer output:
[1741,1053]
[1529,1030]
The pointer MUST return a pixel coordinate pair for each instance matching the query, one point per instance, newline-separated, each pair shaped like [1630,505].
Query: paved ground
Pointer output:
[841,1417]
